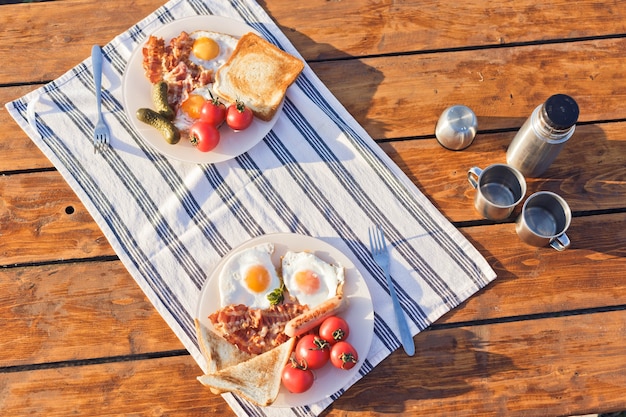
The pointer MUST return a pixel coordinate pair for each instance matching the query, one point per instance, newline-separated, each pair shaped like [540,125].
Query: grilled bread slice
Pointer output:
[218,352]
[257,73]
[258,379]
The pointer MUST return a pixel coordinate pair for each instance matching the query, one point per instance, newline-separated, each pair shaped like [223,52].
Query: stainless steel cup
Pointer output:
[456,127]
[499,188]
[544,219]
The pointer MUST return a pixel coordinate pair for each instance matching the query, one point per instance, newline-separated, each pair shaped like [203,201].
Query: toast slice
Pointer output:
[257,73]
[218,352]
[258,379]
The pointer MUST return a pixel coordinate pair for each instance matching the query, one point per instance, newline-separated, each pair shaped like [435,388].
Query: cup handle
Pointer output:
[474,172]
[561,242]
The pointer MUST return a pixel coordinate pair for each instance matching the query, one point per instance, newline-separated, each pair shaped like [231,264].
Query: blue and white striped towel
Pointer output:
[316,173]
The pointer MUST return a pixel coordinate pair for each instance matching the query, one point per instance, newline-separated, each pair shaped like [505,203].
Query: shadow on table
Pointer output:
[333,66]
[445,364]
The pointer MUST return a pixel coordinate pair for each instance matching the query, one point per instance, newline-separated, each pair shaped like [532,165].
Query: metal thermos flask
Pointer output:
[541,137]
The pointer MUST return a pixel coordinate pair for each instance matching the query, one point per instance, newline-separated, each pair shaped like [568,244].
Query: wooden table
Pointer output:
[546,338]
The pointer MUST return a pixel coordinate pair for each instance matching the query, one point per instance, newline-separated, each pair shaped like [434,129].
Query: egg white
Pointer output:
[329,276]
[232,286]
[226,45]
[183,121]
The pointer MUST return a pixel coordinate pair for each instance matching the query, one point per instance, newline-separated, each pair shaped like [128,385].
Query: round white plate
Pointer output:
[137,93]
[359,313]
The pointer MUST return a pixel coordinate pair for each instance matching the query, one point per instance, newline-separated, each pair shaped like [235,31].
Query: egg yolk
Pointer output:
[307,281]
[257,278]
[205,48]
[193,105]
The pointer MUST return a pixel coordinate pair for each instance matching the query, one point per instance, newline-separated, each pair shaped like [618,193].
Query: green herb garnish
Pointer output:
[276,296]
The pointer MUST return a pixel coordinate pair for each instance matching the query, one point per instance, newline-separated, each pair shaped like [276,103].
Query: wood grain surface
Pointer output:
[545,339]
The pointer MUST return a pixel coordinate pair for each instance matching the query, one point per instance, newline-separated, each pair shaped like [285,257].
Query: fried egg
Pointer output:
[211,50]
[189,110]
[309,279]
[248,277]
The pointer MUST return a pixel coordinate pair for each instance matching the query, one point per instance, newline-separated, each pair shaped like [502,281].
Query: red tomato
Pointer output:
[204,136]
[213,112]
[312,351]
[343,355]
[296,379]
[334,329]
[238,116]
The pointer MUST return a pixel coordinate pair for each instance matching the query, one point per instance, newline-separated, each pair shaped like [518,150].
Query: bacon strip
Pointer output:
[171,64]
[153,53]
[255,330]
[178,50]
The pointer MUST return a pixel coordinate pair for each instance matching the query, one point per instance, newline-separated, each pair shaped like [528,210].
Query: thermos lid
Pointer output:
[561,111]
[456,127]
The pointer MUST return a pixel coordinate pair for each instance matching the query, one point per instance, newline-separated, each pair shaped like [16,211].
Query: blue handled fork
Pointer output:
[101,132]
[380,254]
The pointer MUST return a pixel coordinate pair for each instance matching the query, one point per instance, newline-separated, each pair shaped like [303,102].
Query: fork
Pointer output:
[101,132]
[380,253]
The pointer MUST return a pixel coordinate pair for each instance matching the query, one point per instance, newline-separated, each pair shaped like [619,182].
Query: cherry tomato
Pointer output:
[343,355]
[239,116]
[312,351]
[334,329]
[213,111]
[296,379]
[204,136]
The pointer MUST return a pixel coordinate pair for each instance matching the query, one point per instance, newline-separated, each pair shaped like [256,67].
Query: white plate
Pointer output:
[359,313]
[137,93]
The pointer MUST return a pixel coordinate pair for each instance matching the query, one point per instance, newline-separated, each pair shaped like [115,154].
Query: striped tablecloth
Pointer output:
[316,173]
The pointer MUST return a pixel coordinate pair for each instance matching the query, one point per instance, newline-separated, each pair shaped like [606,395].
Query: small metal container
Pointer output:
[456,127]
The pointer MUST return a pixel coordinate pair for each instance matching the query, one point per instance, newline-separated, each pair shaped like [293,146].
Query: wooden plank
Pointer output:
[363,27]
[403,96]
[164,387]
[17,150]
[590,171]
[556,366]
[47,223]
[397,97]
[56,37]
[36,226]
[592,273]
[66,312]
